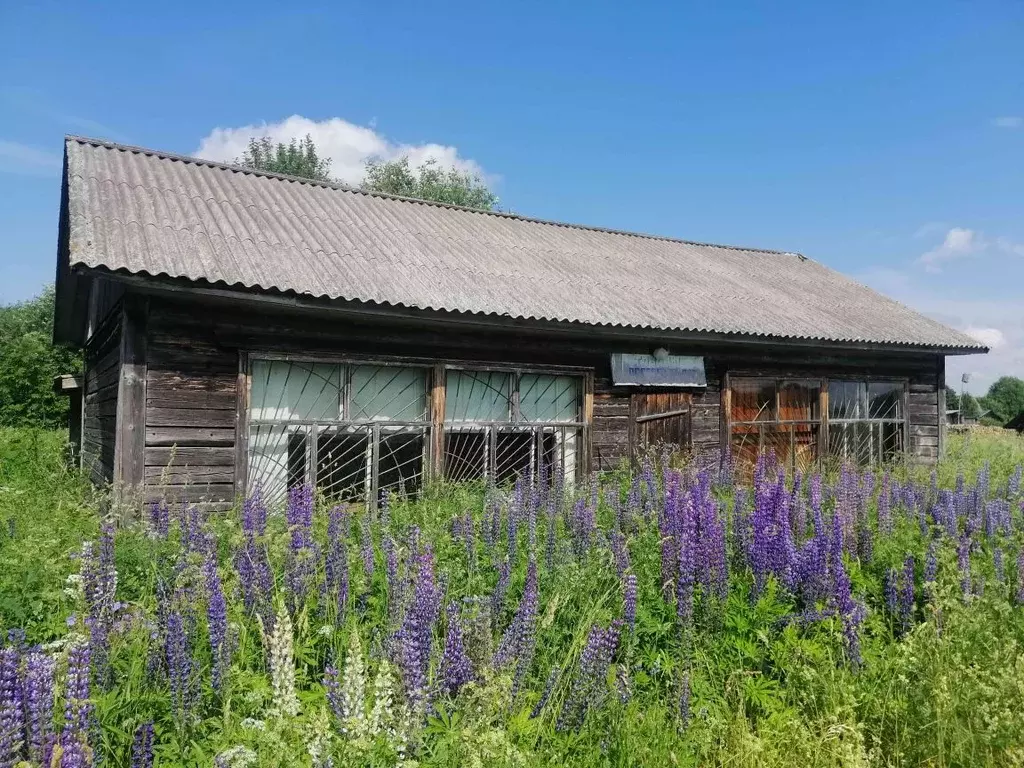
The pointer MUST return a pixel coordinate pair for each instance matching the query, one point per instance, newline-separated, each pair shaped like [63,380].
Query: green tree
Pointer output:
[429,181]
[1004,399]
[29,361]
[970,406]
[296,158]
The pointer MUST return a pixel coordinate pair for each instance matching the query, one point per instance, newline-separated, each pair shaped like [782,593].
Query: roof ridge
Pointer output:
[400,198]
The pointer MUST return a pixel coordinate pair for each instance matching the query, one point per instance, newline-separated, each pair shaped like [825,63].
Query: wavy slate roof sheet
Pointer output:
[150,213]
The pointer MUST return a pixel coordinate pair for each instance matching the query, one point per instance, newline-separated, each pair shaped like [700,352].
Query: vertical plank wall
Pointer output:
[101,378]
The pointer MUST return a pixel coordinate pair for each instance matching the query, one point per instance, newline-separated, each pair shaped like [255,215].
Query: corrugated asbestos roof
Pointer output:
[150,213]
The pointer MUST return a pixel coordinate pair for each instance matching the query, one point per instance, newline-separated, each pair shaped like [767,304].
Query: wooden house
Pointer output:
[244,329]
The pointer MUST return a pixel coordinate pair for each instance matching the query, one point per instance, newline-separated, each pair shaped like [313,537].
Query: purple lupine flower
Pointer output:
[74,737]
[456,669]
[709,529]
[498,596]
[620,554]
[301,554]
[906,598]
[650,498]
[963,562]
[520,639]
[1013,484]
[336,575]
[686,570]
[742,534]
[332,685]
[142,746]
[159,518]
[890,588]
[252,562]
[11,708]
[997,518]
[629,590]
[415,637]
[931,569]
[684,700]
[549,686]
[998,565]
[590,684]
[40,669]
[841,602]
[393,578]
[217,622]
[180,668]
[797,509]
[384,510]
[772,550]
[99,582]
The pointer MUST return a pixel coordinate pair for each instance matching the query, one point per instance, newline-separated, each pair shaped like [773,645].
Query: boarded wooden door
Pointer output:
[659,418]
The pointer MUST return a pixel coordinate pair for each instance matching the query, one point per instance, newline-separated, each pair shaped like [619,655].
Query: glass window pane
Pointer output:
[884,400]
[798,400]
[465,454]
[295,391]
[753,399]
[343,462]
[477,396]
[401,460]
[388,393]
[548,398]
[847,399]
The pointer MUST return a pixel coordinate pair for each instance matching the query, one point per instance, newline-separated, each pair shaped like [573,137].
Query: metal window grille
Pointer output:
[865,422]
[350,430]
[499,424]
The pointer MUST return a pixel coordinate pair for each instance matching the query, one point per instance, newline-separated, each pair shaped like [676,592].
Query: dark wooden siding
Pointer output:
[192,391]
[191,402]
[101,378]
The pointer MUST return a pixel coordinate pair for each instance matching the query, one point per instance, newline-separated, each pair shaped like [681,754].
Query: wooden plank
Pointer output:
[243,393]
[183,380]
[190,457]
[189,417]
[437,406]
[924,430]
[202,400]
[588,420]
[189,436]
[189,475]
[212,492]
[131,398]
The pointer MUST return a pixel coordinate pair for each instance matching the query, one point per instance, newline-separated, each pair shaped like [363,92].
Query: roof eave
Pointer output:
[345,308]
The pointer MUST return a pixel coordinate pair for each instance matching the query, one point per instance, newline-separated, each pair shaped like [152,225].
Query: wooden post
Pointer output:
[823,416]
[130,429]
[242,425]
[437,405]
[725,417]
[588,420]
[940,389]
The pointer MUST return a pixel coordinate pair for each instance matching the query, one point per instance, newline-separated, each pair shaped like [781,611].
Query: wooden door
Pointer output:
[659,418]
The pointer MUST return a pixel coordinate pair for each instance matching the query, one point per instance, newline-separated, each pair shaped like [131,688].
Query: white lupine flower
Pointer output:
[353,690]
[382,716]
[253,724]
[235,757]
[317,736]
[282,665]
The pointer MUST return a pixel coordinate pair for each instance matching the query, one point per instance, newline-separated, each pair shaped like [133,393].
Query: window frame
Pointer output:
[824,418]
[433,424]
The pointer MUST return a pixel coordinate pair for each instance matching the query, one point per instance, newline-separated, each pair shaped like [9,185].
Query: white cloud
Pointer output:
[348,145]
[1009,121]
[958,243]
[992,338]
[996,323]
[16,157]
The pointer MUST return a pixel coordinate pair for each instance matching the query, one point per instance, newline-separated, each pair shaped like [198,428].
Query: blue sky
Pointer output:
[883,139]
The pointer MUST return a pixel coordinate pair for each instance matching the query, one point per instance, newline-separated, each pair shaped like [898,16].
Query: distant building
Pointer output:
[244,329]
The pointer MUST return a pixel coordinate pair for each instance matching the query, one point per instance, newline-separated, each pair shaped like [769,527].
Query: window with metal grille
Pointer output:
[498,424]
[865,422]
[350,430]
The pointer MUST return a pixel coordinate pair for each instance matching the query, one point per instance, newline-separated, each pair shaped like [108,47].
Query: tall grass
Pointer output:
[754,680]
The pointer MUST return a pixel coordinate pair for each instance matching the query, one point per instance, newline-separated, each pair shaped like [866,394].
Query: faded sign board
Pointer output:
[649,371]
